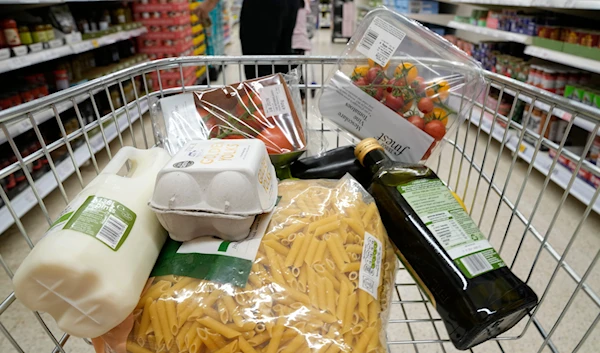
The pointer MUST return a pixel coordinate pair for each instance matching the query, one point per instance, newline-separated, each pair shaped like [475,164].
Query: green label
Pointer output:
[211,258]
[211,267]
[106,220]
[451,226]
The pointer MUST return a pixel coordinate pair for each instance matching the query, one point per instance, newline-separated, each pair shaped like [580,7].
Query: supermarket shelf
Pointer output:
[22,126]
[15,63]
[581,190]
[26,200]
[563,58]
[436,19]
[581,122]
[558,4]
[504,35]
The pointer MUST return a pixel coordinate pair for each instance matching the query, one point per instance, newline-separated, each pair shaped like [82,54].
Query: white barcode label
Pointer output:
[369,39]
[476,264]
[380,41]
[112,231]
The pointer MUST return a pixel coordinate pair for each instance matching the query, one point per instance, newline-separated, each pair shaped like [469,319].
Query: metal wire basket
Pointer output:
[546,232]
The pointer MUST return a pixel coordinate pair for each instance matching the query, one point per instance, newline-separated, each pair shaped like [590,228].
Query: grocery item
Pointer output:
[377,86]
[25,35]
[331,164]
[215,188]
[474,292]
[321,278]
[91,266]
[264,108]
[11,33]
[39,34]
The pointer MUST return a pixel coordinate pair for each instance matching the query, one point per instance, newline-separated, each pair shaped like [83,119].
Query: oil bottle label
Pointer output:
[107,220]
[451,226]
[211,258]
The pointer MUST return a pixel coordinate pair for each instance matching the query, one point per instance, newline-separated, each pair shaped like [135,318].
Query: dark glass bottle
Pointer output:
[476,295]
[333,164]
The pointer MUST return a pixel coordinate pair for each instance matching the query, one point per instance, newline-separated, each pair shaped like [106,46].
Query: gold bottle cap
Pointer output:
[365,146]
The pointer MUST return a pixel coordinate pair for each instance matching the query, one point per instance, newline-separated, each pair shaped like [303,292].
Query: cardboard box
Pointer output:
[580,50]
[414,6]
[548,43]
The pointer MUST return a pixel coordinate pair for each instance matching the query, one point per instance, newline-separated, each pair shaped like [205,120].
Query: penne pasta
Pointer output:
[172,316]
[301,294]
[140,334]
[294,250]
[245,347]
[320,253]
[161,307]
[154,292]
[218,327]
[156,326]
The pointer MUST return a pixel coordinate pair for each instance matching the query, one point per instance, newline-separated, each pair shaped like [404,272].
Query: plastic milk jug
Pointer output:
[89,269]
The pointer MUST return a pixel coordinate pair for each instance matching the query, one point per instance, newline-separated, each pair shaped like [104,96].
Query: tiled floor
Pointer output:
[414,321]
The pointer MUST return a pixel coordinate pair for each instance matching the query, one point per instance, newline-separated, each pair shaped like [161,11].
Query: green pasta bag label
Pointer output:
[107,220]
[212,258]
[451,226]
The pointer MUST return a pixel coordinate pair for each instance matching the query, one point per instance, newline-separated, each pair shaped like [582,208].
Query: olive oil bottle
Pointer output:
[474,292]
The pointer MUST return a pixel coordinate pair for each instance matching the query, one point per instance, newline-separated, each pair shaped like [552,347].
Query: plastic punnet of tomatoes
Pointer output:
[402,84]
[262,108]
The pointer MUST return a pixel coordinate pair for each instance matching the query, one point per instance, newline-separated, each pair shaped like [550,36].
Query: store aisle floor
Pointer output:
[412,318]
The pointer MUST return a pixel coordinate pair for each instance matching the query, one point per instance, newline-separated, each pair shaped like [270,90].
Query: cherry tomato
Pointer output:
[425,105]
[418,84]
[417,121]
[407,71]
[375,92]
[234,137]
[394,102]
[275,140]
[375,75]
[359,71]
[397,82]
[361,82]
[435,129]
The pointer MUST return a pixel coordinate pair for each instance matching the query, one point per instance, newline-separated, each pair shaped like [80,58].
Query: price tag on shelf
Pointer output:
[95,43]
[82,46]
[65,169]
[522,148]
[24,126]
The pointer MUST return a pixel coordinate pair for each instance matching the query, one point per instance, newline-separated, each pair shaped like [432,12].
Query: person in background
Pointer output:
[266,28]
[300,39]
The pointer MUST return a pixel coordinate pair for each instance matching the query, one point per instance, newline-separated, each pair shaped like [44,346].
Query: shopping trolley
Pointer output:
[539,215]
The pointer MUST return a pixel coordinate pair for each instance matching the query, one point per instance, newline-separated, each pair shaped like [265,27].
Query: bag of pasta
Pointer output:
[319,280]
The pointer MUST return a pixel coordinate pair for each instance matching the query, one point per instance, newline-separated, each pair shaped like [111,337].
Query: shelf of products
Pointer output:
[436,19]
[580,122]
[26,199]
[15,129]
[564,58]
[504,35]
[45,55]
[558,4]
[560,175]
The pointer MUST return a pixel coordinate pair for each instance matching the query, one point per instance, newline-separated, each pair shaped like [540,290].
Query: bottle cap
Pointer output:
[365,146]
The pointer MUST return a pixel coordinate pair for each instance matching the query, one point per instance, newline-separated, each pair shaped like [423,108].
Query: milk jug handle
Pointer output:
[144,160]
